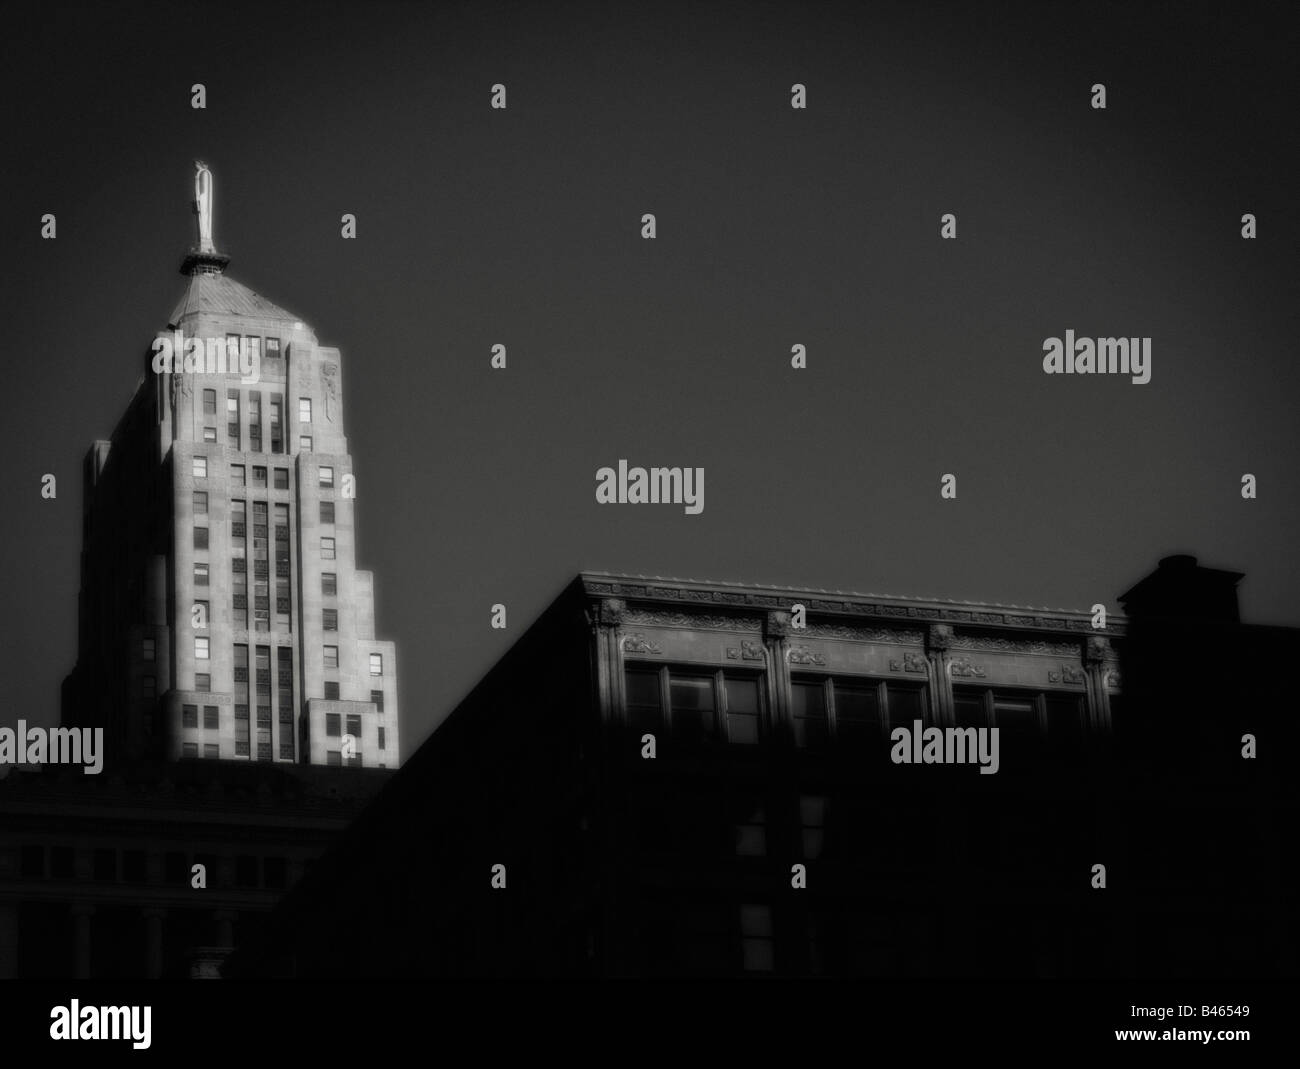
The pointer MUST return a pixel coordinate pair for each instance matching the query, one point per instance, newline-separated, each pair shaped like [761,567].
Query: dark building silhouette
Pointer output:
[773,751]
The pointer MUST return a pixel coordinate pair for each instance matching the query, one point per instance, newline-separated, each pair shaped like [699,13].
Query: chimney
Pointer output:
[1181,589]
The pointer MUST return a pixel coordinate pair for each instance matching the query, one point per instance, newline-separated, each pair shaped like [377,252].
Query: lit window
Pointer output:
[201,647]
[238,474]
[200,469]
[209,434]
[259,476]
[304,443]
[331,656]
[376,664]
[304,409]
[326,476]
[327,549]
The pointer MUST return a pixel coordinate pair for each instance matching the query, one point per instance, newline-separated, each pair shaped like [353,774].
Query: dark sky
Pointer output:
[775,227]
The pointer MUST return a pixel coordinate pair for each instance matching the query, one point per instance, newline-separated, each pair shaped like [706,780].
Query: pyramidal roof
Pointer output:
[215,293]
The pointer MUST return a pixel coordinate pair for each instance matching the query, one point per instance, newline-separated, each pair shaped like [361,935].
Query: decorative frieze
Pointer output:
[638,643]
[746,651]
[911,662]
[803,655]
[1068,674]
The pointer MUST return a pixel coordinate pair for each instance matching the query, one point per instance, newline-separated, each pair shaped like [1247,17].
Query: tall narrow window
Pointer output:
[327,549]
[327,512]
[329,583]
[200,502]
[331,656]
[200,468]
[201,647]
[304,409]
[326,476]
[376,664]
[209,402]
[331,619]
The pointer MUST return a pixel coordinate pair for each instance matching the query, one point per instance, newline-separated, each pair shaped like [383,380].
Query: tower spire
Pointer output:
[204,258]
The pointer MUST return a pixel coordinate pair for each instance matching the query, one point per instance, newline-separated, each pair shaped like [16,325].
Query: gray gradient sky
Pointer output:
[775,226]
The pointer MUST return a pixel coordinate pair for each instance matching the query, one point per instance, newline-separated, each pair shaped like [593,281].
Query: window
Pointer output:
[286,745]
[238,474]
[241,664]
[812,815]
[200,538]
[326,476]
[259,476]
[751,833]
[331,690]
[327,549]
[691,701]
[333,757]
[327,512]
[644,708]
[189,716]
[209,434]
[331,619]
[210,718]
[212,750]
[200,574]
[331,656]
[147,649]
[273,348]
[304,443]
[200,502]
[304,409]
[201,647]
[149,688]
[329,583]
[854,712]
[376,664]
[382,745]
[209,402]
[377,696]
[354,761]
[203,682]
[354,726]
[332,724]
[756,943]
[742,710]
[200,468]
[282,478]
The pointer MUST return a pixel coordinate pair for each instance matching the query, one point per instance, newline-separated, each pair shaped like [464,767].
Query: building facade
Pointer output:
[667,778]
[221,611]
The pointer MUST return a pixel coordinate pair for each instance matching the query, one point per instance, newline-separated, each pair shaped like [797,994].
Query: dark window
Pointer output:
[147,648]
[333,757]
[282,478]
[331,619]
[377,696]
[203,681]
[200,502]
[382,744]
[200,574]
[209,402]
[331,691]
[212,750]
[811,723]
[329,583]
[694,714]
[275,872]
[32,863]
[857,713]
[743,710]
[210,721]
[200,538]
[135,866]
[190,750]
[332,721]
[327,512]
[61,863]
[189,716]
[354,726]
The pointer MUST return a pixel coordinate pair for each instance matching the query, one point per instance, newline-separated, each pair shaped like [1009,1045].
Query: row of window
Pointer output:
[131,866]
[239,474]
[721,706]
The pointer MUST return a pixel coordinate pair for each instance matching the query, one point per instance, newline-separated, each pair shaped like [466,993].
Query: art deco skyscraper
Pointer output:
[221,612]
